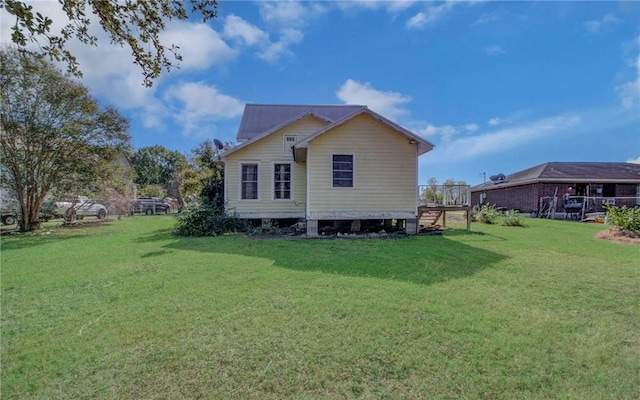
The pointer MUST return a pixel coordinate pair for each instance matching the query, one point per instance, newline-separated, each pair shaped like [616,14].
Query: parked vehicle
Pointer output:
[151,205]
[82,205]
[7,217]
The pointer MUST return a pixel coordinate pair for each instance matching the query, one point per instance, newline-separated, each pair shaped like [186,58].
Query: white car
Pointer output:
[83,206]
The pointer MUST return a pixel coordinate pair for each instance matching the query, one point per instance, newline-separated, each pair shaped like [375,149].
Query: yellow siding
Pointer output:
[384,169]
[265,153]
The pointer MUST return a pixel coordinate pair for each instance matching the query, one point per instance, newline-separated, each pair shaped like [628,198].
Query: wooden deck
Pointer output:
[430,215]
[434,201]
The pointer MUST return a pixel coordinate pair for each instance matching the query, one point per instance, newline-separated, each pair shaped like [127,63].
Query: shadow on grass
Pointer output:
[23,240]
[422,260]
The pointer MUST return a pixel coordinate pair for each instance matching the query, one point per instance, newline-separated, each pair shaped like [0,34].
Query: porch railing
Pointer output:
[444,195]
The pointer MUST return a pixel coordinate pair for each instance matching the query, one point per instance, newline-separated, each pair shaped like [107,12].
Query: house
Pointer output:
[323,164]
[592,183]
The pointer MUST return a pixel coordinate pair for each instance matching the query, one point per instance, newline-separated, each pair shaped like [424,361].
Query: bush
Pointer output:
[625,218]
[512,218]
[485,213]
[207,219]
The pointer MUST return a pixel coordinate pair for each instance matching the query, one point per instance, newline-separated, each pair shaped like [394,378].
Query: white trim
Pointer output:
[287,150]
[329,215]
[307,172]
[417,169]
[269,214]
[225,185]
[248,162]
[353,171]
[273,181]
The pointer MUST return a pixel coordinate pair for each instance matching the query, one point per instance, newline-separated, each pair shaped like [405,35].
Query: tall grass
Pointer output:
[129,311]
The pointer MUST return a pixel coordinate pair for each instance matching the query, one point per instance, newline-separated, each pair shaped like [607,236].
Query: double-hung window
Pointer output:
[282,181]
[342,170]
[249,182]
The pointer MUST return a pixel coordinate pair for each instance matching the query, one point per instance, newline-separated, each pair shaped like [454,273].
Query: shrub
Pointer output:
[207,219]
[485,213]
[625,218]
[268,228]
[512,218]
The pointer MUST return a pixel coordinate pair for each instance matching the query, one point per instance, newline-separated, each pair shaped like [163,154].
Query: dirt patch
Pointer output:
[84,223]
[619,236]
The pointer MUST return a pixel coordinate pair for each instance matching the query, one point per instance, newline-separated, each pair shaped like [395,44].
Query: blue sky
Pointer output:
[497,86]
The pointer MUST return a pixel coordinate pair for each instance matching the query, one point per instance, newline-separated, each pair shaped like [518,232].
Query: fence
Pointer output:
[444,195]
[579,206]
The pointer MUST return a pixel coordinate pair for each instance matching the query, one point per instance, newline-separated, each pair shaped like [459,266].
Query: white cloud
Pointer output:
[494,50]
[237,28]
[595,25]
[276,50]
[495,121]
[630,92]
[284,13]
[468,147]
[387,104]
[634,160]
[487,18]
[200,105]
[445,131]
[392,7]
[430,15]
[592,26]
[200,46]
[471,127]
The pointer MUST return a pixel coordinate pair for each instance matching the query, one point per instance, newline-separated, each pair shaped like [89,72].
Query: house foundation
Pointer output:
[312,227]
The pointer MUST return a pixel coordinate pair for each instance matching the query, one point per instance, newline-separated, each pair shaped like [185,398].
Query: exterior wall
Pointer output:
[523,198]
[526,197]
[627,190]
[385,173]
[265,153]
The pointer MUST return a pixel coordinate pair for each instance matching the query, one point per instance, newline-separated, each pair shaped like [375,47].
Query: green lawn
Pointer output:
[128,311]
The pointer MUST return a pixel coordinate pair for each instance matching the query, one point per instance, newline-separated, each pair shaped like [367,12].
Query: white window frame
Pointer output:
[273,180]
[353,171]
[286,144]
[242,165]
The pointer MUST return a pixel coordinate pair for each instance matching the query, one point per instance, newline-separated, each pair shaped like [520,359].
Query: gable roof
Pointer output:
[423,145]
[260,118]
[571,172]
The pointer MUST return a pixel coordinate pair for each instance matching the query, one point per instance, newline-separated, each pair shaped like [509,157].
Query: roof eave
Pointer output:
[553,180]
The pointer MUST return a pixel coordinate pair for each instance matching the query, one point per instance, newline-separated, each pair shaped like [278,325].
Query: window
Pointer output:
[287,142]
[282,181]
[609,190]
[342,170]
[249,182]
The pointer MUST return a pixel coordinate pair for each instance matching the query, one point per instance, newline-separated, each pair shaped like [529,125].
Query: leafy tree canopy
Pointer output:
[53,134]
[133,23]
[156,165]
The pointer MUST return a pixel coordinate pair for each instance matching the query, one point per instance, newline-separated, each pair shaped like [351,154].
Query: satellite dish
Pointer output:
[500,178]
[218,144]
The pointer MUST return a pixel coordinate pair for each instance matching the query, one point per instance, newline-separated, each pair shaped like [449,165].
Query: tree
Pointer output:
[133,23]
[53,134]
[158,167]
[209,179]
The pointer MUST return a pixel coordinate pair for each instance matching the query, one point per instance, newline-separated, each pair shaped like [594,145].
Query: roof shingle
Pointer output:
[260,118]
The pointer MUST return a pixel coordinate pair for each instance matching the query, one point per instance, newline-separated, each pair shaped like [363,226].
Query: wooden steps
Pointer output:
[429,218]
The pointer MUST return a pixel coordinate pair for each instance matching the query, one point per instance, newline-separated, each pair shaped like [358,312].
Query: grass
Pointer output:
[129,311]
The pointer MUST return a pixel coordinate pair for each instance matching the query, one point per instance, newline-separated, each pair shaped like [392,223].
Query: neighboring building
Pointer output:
[322,163]
[595,183]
